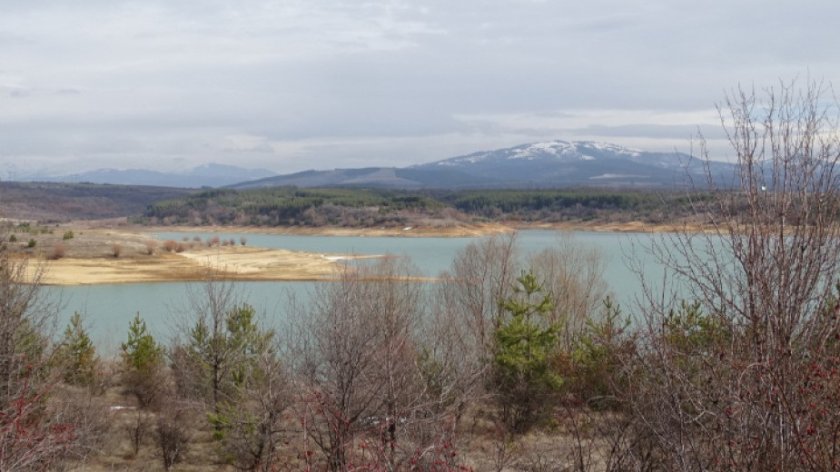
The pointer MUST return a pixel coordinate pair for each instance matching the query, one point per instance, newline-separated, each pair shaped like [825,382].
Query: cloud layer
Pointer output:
[305,84]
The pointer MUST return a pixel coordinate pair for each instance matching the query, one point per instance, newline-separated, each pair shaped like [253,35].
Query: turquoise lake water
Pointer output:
[108,309]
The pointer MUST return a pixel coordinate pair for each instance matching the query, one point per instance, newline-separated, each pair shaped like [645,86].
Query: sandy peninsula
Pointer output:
[229,263]
[108,252]
[99,255]
[113,252]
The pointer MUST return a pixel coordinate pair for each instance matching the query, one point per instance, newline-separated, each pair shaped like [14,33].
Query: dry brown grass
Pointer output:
[478,446]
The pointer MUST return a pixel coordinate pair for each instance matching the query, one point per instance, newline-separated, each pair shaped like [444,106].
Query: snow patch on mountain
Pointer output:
[609,147]
[557,150]
[616,176]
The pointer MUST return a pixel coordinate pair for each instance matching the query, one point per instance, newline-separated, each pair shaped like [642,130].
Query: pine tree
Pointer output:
[142,360]
[522,375]
[76,354]
[223,358]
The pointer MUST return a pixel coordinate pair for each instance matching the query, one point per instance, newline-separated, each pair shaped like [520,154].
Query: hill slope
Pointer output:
[65,201]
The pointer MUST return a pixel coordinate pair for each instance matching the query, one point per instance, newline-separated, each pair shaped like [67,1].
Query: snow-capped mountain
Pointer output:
[554,150]
[544,164]
[564,163]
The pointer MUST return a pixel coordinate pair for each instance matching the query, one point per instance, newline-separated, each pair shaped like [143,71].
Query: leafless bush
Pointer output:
[186,372]
[116,249]
[609,441]
[170,245]
[85,414]
[151,246]
[149,387]
[58,251]
[243,240]
[137,430]
[30,440]
[172,432]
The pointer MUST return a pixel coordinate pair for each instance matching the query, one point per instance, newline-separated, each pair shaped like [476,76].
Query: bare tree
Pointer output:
[728,382]
[574,275]
[359,362]
[469,295]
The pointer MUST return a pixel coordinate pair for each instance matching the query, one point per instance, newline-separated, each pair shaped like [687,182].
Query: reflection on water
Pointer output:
[109,308]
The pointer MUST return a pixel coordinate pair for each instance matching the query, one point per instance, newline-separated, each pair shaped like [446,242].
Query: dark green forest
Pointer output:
[355,207]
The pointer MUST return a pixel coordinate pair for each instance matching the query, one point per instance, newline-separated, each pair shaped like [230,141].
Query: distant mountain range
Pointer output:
[208,175]
[537,165]
[544,164]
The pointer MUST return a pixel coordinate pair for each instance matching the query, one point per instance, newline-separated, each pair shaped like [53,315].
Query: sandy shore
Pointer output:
[231,263]
[464,230]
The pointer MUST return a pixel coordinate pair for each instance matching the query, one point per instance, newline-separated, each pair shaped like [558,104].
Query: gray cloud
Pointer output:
[336,83]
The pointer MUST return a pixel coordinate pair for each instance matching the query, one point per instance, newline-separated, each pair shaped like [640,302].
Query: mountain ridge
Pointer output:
[205,175]
[544,164]
[547,164]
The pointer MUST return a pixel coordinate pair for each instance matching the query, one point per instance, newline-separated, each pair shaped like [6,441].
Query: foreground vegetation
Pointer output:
[507,363]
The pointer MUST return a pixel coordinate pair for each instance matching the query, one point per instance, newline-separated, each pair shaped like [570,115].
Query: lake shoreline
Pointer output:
[457,231]
[89,262]
[461,231]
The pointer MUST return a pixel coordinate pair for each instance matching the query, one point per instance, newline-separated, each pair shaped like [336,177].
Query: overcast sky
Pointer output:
[299,84]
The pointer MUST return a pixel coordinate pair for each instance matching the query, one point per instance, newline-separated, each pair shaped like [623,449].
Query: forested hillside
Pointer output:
[375,207]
